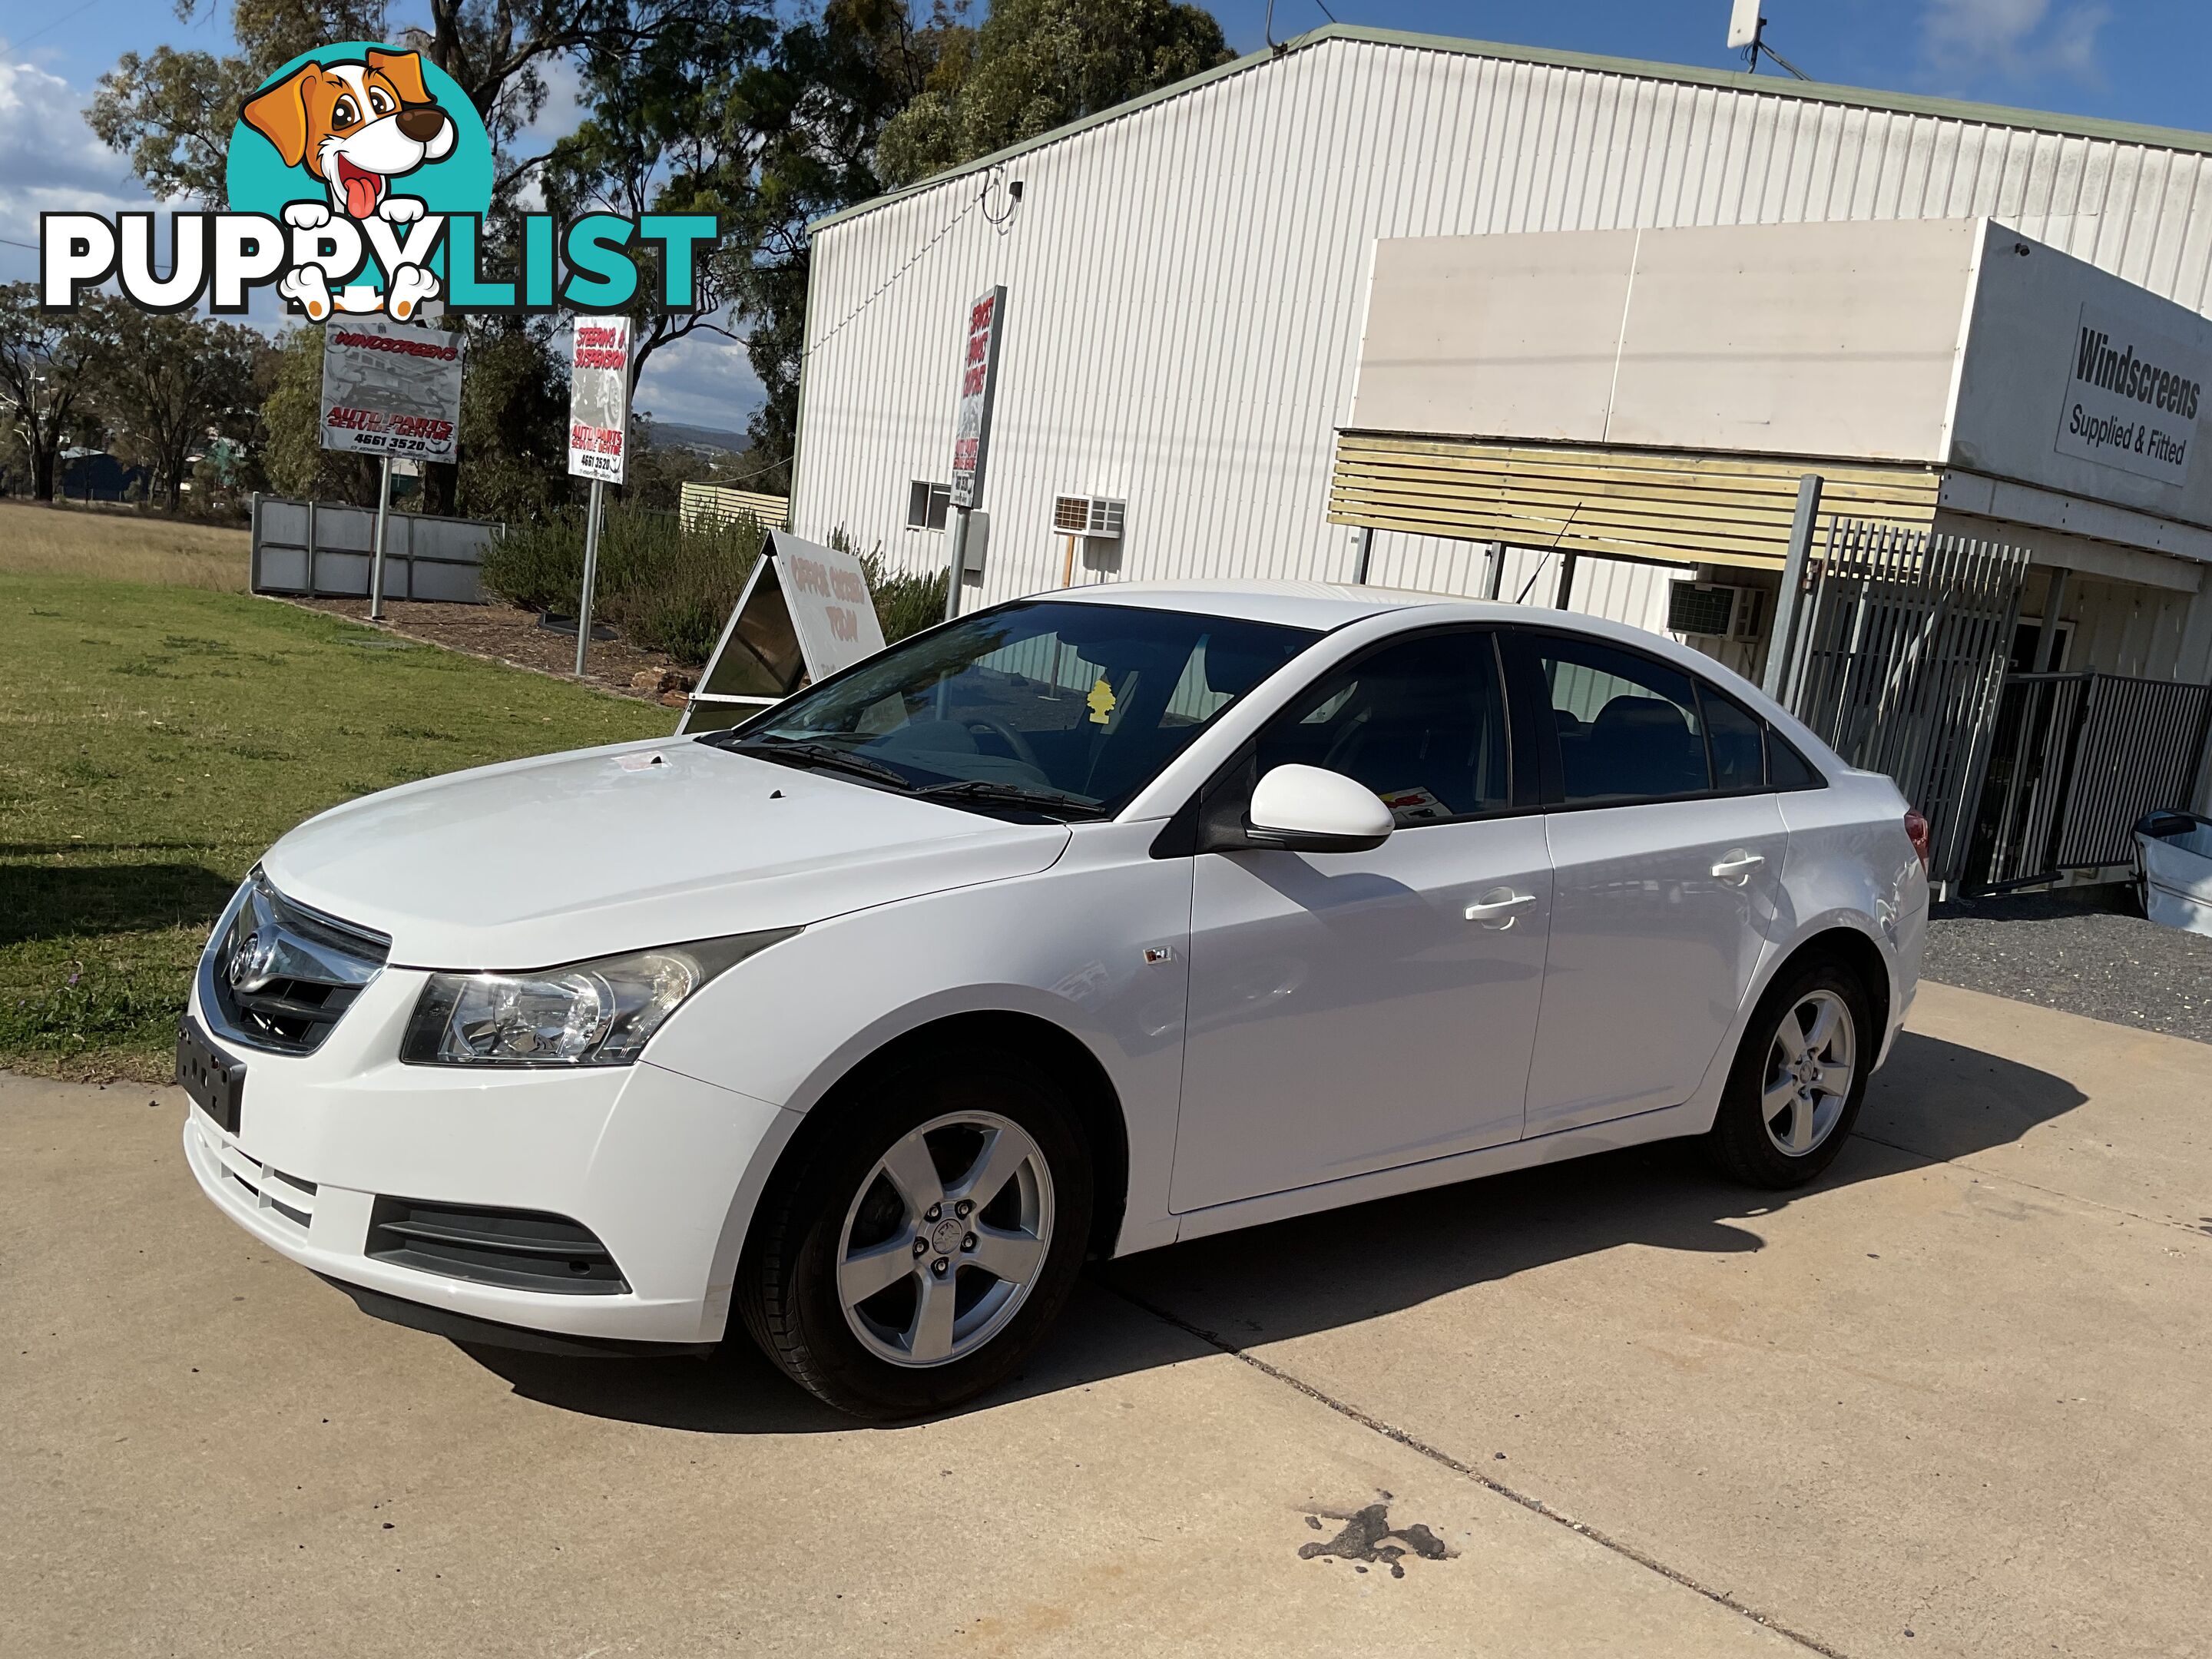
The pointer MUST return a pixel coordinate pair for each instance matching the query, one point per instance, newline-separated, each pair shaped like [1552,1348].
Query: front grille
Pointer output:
[279,975]
[521,1249]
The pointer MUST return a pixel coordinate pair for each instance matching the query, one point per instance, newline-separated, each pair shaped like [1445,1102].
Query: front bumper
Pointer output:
[660,1167]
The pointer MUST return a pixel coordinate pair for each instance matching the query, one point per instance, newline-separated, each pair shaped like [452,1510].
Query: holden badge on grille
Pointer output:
[253,963]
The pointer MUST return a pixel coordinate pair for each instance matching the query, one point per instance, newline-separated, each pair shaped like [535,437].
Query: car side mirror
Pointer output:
[1310,809]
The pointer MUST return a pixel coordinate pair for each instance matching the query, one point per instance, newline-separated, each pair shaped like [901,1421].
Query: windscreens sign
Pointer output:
[2132,398]
[391,389]
[599,398]
[979,376]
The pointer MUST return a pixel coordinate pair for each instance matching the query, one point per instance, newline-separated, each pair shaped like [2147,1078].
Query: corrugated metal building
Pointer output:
[1188,276]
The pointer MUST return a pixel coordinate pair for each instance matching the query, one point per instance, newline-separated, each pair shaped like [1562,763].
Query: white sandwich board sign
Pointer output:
[806,613]
[598,398]
[391,389]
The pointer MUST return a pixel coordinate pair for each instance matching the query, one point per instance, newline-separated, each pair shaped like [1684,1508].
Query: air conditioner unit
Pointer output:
[1093,516]
[1715,609]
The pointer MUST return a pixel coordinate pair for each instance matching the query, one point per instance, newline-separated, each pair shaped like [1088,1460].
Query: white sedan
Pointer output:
[1070,928]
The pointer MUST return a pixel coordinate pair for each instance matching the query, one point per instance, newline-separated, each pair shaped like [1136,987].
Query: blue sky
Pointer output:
[2134,60]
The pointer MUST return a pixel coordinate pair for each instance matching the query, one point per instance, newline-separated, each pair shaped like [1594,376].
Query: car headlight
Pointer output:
[600,1013]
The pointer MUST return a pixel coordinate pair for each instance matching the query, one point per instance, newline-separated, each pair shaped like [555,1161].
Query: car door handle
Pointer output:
[1495,908]
[1738,865]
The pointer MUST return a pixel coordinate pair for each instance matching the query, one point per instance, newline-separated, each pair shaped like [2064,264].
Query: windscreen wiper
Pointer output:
[800,752]
[991,792]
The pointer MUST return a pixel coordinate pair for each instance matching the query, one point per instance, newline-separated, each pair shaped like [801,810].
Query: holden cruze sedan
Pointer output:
[1074,927]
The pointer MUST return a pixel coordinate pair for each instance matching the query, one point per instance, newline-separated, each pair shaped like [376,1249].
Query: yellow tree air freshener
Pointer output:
[1101,701]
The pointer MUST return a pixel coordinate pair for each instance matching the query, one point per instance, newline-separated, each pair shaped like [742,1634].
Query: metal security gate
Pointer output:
[2078,759]
[1900,643]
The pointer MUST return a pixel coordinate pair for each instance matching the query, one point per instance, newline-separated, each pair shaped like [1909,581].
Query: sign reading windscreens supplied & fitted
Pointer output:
[2132,398]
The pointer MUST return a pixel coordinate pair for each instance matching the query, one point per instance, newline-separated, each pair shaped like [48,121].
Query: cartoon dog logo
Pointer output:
[355,125]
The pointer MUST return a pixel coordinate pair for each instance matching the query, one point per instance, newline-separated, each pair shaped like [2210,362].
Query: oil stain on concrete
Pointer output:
[1368,1536]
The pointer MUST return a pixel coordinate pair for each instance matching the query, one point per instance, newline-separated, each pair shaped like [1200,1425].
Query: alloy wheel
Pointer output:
[945,1239]
[1810,1069]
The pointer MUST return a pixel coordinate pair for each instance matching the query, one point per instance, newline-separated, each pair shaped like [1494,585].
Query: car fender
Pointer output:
[1095,947]
[1707,1098]
[1845,870]
[834,1066]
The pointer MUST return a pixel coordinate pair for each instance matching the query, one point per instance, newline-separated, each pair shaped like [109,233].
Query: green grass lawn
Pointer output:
[153,740]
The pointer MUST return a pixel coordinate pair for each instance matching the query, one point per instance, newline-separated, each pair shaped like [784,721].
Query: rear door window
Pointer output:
[1737,738]
[1629,727]
[1785,767]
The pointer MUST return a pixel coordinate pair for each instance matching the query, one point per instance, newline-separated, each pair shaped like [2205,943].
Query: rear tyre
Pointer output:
[1799,1078]
[914,1256]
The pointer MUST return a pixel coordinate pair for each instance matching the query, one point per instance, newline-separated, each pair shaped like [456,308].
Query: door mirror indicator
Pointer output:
[1310,809]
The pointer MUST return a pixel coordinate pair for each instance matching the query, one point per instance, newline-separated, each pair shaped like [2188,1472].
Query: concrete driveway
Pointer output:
[1953,1400]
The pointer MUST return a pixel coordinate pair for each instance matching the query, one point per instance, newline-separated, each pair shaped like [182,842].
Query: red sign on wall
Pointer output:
[979,374]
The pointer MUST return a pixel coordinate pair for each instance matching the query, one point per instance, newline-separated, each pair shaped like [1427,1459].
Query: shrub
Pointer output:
[668,588]
[905,603]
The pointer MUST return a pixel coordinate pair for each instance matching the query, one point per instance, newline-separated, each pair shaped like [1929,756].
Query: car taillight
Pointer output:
[1916,831]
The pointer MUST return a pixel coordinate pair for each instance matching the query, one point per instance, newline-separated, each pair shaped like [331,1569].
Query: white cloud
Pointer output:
[50,161]
[2015,40]
[702,380]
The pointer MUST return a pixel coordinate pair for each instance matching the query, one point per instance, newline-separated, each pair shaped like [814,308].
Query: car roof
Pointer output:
[1326,605]
[1297,605]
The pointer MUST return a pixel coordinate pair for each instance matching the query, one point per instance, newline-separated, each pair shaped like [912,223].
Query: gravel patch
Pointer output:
[2083,950]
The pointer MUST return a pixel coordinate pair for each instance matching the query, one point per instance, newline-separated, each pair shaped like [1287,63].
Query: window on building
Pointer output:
[926,504]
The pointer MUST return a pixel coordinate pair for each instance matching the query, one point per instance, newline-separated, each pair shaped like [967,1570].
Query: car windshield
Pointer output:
[1037,706]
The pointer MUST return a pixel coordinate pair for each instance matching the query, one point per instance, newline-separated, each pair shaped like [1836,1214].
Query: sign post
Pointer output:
[389,390]
[972,429]
[598,431]
[376,556]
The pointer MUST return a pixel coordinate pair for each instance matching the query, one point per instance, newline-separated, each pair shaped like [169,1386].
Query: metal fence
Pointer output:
[2078,759]
[1901,639]
[324,548]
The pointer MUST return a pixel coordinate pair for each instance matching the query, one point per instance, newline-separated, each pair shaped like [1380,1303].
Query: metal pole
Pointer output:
[1493,570]
[956,561]
[2046,641]
[1788,602]
[590,573]
[1566,582]
[376,564]
[1362,541]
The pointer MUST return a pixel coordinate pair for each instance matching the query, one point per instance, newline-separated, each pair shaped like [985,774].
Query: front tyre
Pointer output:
[918,1251]
[1798,1079]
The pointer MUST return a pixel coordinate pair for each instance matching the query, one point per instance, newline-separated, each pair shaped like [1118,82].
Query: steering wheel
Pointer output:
[1007,734]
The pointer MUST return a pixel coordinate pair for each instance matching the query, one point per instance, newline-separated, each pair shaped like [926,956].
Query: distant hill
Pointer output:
[673,435]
